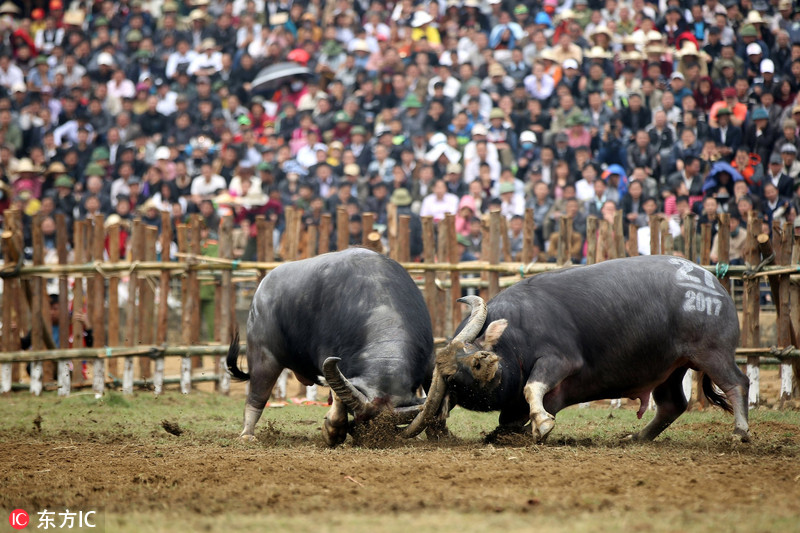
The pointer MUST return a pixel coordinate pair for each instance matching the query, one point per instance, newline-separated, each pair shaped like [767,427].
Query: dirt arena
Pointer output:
[115,455]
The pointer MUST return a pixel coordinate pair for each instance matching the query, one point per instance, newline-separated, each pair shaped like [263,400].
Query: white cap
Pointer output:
[570,63]
[18,87]
[527,137]
[753,49]
[677,76]
[479,129]
[162,152]
[104,58]
[767,66]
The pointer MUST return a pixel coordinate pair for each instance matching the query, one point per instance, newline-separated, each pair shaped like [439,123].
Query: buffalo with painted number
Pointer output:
[356,318]
[621,328]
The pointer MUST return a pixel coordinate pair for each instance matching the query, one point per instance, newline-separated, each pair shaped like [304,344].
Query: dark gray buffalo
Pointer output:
[621,328]
[356,309]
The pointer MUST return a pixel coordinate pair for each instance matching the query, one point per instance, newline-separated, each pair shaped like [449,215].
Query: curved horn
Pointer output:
[445,359]
[476,319]
[353,398]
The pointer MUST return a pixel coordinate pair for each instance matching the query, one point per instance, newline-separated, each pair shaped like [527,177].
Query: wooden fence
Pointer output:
[96,274]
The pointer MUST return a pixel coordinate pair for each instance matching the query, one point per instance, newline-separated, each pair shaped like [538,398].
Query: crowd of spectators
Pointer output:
[574,108]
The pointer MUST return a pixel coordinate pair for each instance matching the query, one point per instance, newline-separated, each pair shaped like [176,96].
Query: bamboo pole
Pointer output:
[403,239]
[37,333]
[63,305]
[261,248]
[342,228]
[591,240]
[528,230]
[324,234]
[312,241]
[429,253]
[494,252]
[225,302]
[751,332]
[109,352]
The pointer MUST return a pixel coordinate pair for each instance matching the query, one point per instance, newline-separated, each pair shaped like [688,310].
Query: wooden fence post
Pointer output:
[591,240]
[78,300]
[655,234]
[690,237]
[11,254]
[440,323]
[147,298]
[429,254]
[225,302]
[136,236]
[37,333]
[619,235]
[99,306]
[633,240]
[63,305]
[391,229]
[724,246]
[705,243]
[342,229]
[404,239]
[528,229]
[163,302]
[751,331]
[195,319]
[113,299]
[666,237]
[186,319]
[785,337]
[455,277]
[794,291]
[367,223]
[494,252]
[324,245]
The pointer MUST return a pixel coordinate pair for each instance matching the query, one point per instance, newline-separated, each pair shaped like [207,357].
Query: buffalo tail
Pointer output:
[713,396]
[232,361]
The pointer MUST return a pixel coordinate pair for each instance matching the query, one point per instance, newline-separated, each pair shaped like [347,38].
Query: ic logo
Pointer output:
[18,519]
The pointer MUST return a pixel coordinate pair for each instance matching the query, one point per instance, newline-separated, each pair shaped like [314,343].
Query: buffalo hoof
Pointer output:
[247,438]
[438,431]
[741,435]
[543,429]
[333,435]
[507,434]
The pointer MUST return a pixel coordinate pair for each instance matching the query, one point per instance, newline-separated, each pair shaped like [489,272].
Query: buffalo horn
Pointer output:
[438,386]
[353,398]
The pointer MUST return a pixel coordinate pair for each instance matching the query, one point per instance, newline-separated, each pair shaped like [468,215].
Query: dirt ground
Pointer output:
[289,473]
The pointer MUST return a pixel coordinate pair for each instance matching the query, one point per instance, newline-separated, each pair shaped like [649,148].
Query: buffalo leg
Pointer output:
[736,386]
[547,374]
[670,404]
[334,429]
[264,372]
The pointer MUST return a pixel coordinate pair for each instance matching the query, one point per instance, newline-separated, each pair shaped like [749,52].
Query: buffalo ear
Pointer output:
[493,333]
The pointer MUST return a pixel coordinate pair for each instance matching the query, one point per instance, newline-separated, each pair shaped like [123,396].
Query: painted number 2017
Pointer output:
[697,301]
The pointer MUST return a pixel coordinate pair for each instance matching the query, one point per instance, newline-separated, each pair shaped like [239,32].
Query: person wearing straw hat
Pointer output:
[422,27]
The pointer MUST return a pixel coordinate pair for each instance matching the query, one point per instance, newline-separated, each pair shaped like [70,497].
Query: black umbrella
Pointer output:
[272,76]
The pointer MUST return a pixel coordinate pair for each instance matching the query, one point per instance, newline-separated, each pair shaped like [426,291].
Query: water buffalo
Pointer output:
[353,309]
[621,328]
